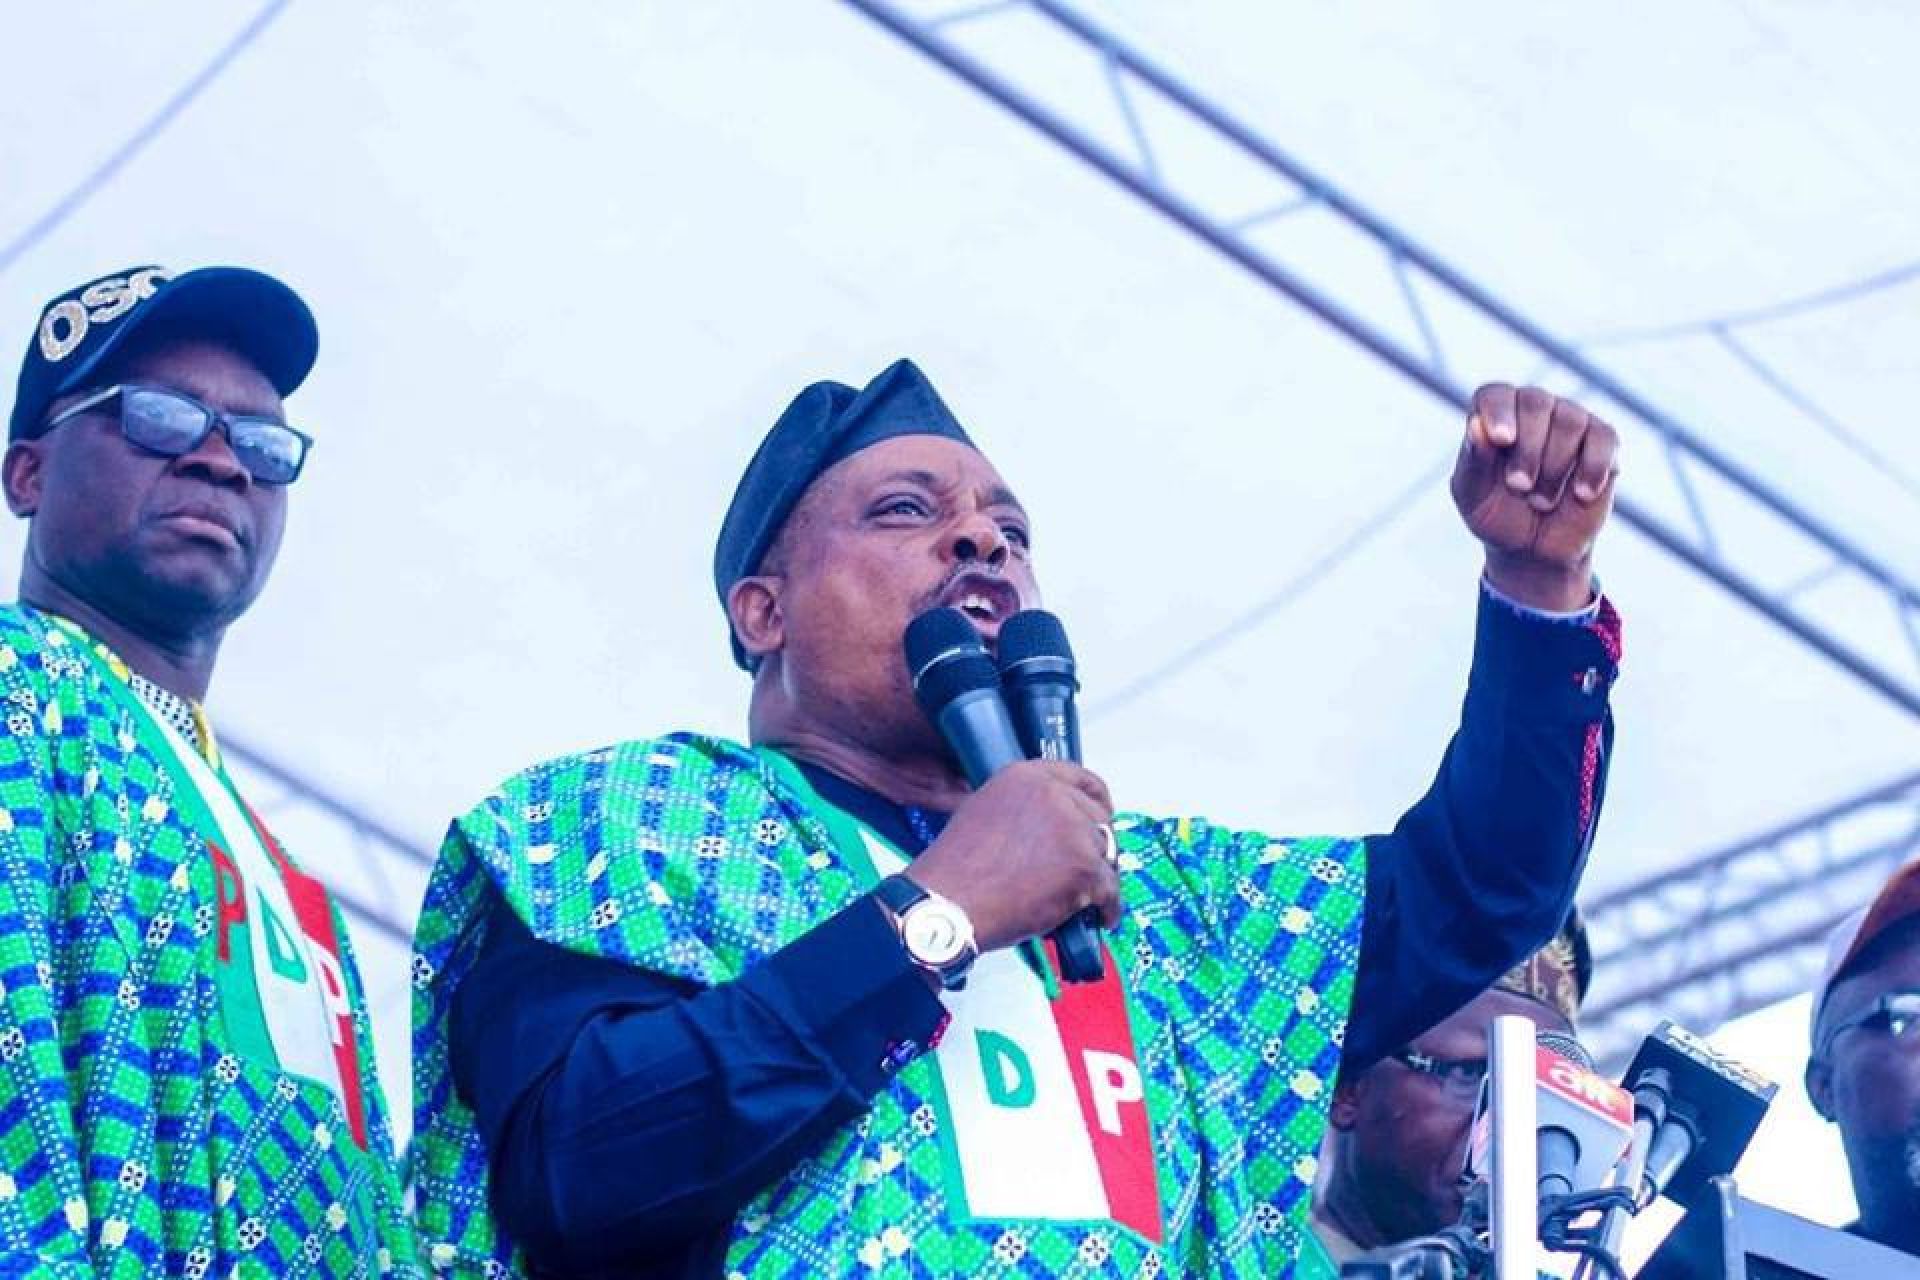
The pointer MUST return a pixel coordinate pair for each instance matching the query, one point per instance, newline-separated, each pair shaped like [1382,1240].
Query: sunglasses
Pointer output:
[172,424]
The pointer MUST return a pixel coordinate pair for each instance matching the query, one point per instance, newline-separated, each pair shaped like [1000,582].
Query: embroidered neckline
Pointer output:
[163,704]
[176,711]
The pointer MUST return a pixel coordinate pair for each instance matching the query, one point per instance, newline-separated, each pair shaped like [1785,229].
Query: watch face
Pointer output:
[936,933]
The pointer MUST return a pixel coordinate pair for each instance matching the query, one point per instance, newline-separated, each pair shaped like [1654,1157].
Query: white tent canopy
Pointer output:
[569,263]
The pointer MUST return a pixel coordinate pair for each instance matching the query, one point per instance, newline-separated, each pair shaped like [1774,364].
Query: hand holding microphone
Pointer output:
[1046,811]
[1039,678]
[1028,848]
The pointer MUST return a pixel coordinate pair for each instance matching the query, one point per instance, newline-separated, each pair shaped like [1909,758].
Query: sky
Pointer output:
[568,268]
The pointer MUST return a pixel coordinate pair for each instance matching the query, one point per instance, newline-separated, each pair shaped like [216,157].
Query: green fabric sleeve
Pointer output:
[43,1219]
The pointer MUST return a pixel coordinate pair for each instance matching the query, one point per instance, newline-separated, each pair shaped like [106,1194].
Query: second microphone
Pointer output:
[961,691]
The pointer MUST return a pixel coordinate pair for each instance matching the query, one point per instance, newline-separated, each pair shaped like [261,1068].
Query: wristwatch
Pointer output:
[935,931]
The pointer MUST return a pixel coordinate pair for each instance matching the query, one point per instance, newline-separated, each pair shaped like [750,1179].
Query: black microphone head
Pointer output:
[1033,650]
[1723,1099]
[1033,633]
[1566,1046]
[946,659]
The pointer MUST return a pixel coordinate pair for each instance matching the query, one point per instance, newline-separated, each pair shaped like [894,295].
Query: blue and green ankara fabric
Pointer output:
[1166,1125]
[186,1066]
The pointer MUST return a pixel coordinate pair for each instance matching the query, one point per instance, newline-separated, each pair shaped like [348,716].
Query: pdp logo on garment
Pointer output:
[278,965]
[1044,1098]
[282,984]
[65,324]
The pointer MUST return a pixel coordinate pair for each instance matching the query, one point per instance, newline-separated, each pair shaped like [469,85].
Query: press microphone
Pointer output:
[1037,676]
[1703,1107]
[1582,1125]
[958,687]
[1585,1120]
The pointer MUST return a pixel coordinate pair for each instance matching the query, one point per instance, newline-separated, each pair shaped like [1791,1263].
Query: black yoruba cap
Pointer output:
[826,423]
[79,330]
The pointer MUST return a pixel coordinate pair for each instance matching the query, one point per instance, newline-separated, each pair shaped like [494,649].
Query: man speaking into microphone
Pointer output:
[686,1007]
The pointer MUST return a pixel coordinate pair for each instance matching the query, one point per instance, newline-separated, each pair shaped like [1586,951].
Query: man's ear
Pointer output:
[1344,1112]
[1819,1081]
[22,472]
[753,607]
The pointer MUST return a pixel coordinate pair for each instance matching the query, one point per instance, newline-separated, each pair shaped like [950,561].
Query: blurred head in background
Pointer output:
[1398,1130]
[1864,1070]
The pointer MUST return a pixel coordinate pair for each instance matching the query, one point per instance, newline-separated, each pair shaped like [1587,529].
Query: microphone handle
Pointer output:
[1613,1223]
[1050,730]
[1558,1152]
[1049,723]
[977,727]
[980,731]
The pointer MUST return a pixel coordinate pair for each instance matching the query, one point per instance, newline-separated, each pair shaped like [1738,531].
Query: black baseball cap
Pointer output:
[79,331]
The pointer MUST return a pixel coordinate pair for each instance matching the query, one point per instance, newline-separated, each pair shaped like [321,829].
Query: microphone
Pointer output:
[1582,1126]
[1038,677]
[1037,674]
[1703,1109]
[956,684]
[1585,1120]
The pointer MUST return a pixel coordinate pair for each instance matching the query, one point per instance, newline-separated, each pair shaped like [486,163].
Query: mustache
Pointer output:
[965,569]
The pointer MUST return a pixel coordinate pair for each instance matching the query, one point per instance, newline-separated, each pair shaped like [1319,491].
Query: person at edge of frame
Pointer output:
[1863,1066]
[187,1082]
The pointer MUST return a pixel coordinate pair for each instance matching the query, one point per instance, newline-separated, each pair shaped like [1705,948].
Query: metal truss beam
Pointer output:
[1735,930]
[1743,926]
[1155,136]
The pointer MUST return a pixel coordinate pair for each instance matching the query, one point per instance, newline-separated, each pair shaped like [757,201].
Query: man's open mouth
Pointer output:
[987,599]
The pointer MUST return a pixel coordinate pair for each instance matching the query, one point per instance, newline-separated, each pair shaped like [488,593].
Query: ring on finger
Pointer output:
[1112,852]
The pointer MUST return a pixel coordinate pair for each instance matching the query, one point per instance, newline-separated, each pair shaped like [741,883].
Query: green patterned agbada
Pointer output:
[187,1080]
[1203,1076]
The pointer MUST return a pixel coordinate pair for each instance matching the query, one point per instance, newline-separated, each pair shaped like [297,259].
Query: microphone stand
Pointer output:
[1513,1115]
[1613,1223]
[1505,1199]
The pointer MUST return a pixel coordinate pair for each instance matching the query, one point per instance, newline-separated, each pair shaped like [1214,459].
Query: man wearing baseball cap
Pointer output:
[186,1073]
[1864,1072]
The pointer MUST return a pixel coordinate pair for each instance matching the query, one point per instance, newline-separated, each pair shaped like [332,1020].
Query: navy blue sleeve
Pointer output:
[629,1116]
[1482,870]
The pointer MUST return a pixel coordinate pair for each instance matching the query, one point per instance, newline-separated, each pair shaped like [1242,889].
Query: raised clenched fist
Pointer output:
[1534,482]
